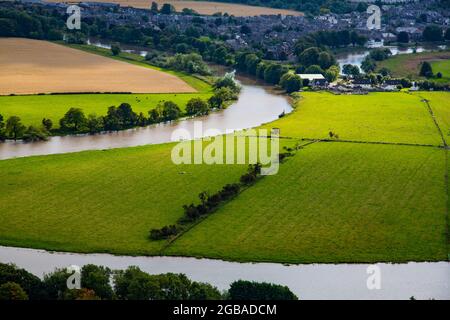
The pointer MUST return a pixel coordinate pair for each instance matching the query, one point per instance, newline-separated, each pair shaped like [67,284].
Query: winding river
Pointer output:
[256,105]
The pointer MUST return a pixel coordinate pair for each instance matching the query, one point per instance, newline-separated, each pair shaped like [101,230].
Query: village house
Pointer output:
[314,80]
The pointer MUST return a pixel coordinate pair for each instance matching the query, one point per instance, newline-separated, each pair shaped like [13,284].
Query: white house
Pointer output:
[315,80]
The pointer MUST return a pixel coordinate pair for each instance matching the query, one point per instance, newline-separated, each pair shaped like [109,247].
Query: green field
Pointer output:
[100,201]
[32,109]
[408,65]
[331,202]
[334,202]
[443,67]
[376,117]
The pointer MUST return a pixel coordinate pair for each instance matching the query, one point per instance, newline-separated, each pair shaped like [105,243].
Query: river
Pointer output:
[256,105]
[311,281]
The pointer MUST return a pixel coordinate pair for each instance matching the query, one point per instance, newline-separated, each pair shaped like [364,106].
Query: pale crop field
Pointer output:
[205,7]
[34,66]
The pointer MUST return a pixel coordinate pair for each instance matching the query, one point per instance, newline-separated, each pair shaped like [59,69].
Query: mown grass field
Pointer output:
[100,201]
[33,108]
[334,202]
[376,117]
[408,65]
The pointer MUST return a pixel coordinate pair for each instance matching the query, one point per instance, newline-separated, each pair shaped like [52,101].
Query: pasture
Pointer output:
[408,65]
[32,109]
[205,7]
[334,202]
[100,201]
[376,117]
[33,66]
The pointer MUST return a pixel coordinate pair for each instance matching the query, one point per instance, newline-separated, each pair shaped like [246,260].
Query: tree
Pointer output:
[94,124]
[31,284]
[403,37]
[326,60]
[368,65]
[197,106]
[170,111]
[309,56]
[350,70]
[432,33]
[167,9]
[447,34]
[134,284]
[115,49]
[14,128]
[34,134]
[426,70]
[96,278]
[2,129]
[74,120]
[385,72]
[314,69]
[154,7]
[47,123]
[12,291]
[332,73]
[274,72]
[55,284]
[246,290]
[291,82]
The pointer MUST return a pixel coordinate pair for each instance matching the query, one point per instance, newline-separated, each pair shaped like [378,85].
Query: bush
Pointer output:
[197,106]
[291,82]
[33,134]
[163,233]
[12,291]
[246,290]
[31,284]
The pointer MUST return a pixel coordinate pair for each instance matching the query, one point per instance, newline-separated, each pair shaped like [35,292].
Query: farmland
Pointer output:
[331,202]
[203,7]
[442,66]
[100,201]
[376,117]
[32,109]
[32,66]
[408,65]
[334,202]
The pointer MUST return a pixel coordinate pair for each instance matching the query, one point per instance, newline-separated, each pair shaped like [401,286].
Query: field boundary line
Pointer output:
[196,223]
[433,117]
[375,142]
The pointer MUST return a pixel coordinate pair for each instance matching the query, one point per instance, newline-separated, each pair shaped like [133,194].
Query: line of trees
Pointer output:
[208,204]
[102,283]
[122,117]
[13,129]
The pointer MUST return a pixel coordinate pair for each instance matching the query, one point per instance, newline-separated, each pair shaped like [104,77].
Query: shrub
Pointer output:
[246,290]
[163,233]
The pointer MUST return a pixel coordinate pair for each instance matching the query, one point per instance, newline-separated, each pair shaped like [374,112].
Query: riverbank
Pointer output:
[315,281]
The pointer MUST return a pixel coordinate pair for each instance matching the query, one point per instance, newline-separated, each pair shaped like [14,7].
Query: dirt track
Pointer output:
[202,7]
[33,66]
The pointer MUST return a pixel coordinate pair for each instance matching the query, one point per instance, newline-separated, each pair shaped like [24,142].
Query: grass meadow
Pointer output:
[376,117]
[334,202]
[33,108]
[100,201]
